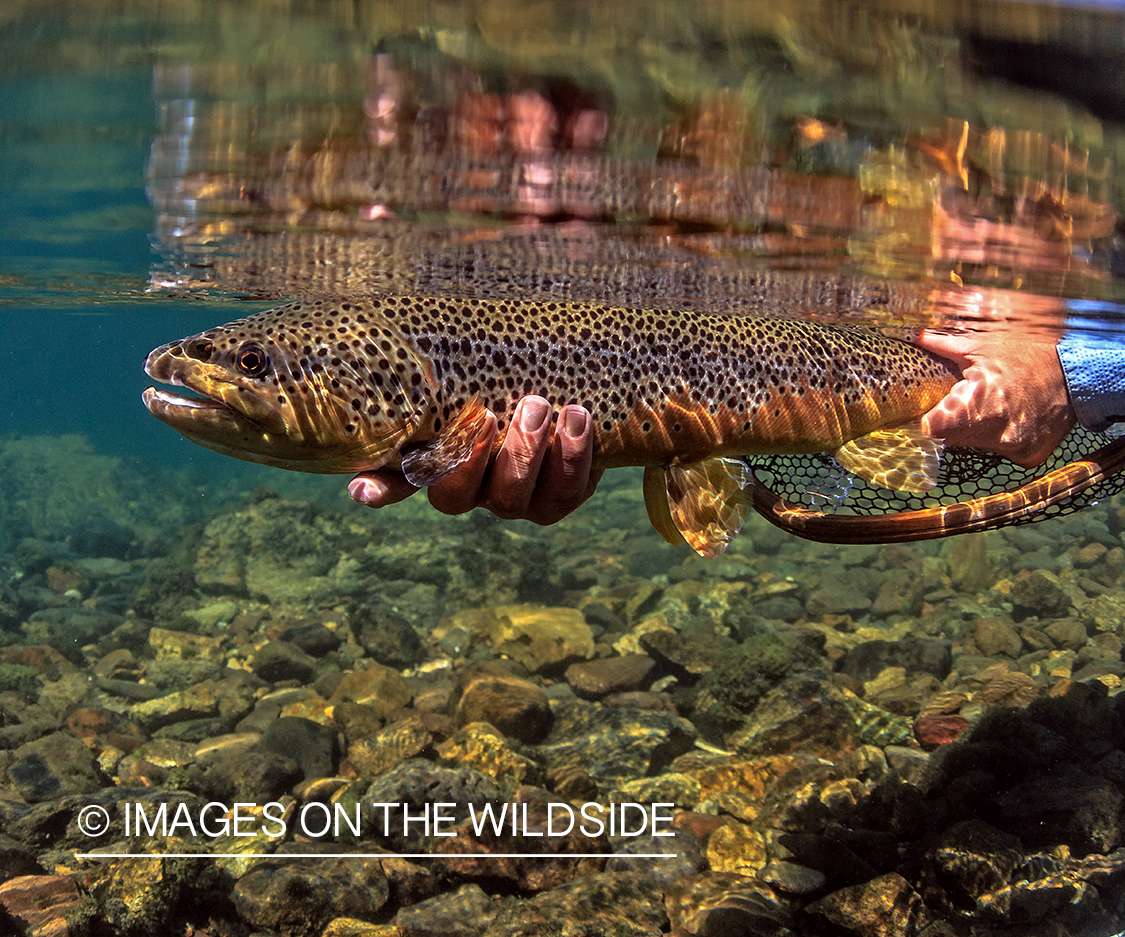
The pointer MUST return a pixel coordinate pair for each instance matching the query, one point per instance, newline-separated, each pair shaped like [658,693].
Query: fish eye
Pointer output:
[252,360]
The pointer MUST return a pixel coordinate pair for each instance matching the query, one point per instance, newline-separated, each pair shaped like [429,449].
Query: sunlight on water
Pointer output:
[900,165]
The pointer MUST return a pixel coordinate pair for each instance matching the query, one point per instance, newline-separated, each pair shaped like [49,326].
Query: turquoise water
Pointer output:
[76,230]
[164,169]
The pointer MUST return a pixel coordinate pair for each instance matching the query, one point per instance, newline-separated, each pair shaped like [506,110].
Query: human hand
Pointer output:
[1011,399]
[533,476]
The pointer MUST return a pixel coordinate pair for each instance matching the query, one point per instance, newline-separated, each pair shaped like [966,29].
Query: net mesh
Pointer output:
[818,483]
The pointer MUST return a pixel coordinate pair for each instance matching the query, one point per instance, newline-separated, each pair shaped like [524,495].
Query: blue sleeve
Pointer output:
[1092,354]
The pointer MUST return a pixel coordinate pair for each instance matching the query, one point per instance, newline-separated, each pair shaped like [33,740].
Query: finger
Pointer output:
[378,489]
[564,482]
[515,471]
[460,491]
[953,413]
[956,348]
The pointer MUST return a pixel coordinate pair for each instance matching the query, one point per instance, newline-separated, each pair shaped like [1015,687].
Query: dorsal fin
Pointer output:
[453,445]
[703,504]
[901,458]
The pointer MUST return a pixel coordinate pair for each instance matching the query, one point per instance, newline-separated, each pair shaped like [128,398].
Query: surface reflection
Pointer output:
[858,739]
[407,172]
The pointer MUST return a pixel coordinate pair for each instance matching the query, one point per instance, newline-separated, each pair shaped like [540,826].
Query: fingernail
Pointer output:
[575,421]
[533,413]
[366,490]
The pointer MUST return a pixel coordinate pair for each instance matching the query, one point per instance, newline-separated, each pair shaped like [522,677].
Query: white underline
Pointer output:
[374,855]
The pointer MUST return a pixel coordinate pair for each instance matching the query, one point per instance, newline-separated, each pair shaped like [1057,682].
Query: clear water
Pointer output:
[164,170]
[101,112]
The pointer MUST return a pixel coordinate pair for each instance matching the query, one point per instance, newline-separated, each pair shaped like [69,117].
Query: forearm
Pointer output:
[1092,354]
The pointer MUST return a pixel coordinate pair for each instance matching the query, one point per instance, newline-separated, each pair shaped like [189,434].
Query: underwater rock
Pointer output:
[792,878]
[1039,592]
[352,927]
[935,729]
[296,899]
[638,699]
[916,655]
[1104,613]
[67,630]
[379,687]
[53,766]
[596,678]
[390,746]
[39,657]
[461,913]
[540,638]
[1069,806]
[614,745]
[101,727]
[843,593]
[743,675]
[1029,902]
[1009,689]
[517,707]
[356,721]
[39,904]
[419,784]
[139,896]
[736,847]
[805,713]
[314,639]
[978,858]
[285,551]
[310,744]
[179,674]
[991,637]
[665,859]
[253,776]
[970,562]
[103,505]
[276,661]
[1067,634]
[547,848]
[673,787]
[750,789]
[484,748]
[722,903]
[54,824]
[227,699]
[16,860]
[682,655]
[620,903]
[886,906]
[180,645]
[386,635]
[213,614]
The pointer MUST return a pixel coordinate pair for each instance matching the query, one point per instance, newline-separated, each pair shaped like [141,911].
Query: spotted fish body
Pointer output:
[405,382]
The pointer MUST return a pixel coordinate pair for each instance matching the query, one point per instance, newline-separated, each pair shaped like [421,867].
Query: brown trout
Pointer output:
[406,382]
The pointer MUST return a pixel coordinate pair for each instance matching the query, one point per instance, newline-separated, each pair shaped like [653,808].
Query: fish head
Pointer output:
[312,387]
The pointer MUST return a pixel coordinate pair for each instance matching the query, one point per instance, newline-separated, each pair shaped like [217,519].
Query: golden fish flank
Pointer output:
[405,382]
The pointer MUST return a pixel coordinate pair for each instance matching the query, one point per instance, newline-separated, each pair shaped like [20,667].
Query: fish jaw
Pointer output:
[233,417]
[222,391]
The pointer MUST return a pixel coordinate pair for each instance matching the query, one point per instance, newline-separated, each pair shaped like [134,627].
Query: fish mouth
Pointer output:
[182,412]
[227,409]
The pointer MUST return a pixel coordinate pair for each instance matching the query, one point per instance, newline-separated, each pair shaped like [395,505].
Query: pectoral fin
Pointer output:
[703,504]
[442,454]
[901,458]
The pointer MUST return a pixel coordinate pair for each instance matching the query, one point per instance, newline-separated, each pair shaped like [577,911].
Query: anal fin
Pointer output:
[901,458]
[453,445]
[703,504]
